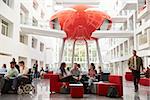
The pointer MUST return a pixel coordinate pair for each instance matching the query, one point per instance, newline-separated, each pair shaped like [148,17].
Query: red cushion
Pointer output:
[115,79]
[50,72]
[46,76]
[128,72]
[76,92]
[103,88]
[129,76]
[145,81]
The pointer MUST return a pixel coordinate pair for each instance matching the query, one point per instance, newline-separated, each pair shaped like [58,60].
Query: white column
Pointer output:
[87,53]
[61,51]
[99,53]
[73,50]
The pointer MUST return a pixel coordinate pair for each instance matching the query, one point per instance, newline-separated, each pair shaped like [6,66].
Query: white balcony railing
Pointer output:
[39,23]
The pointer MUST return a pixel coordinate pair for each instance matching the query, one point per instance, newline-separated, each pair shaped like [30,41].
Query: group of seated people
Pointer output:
[14,74]
[147,72]
[76,76]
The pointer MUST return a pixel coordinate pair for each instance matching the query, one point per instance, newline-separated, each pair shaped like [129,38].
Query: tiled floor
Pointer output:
[43,93]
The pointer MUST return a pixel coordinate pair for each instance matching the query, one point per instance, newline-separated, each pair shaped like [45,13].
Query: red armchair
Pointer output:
[145,81]
[50,72]
[114,80]
[55,84]
[129,76]
[47,75]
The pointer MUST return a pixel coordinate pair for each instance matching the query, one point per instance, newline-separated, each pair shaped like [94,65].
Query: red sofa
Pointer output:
[129,76]
[55,84]
[47,75]
[114,80]
[145,81]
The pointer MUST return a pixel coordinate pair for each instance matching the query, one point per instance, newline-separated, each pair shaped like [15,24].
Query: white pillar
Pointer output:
[87,53]
[61,51]
[99,53]
[73,50]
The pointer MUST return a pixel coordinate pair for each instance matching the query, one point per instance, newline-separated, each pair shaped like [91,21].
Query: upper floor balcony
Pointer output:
[59,4]
[44,24]
[125,5]
[143,9]
[129,4]
[143,39]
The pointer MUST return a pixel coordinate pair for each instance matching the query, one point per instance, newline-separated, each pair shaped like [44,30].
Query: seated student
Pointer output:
[23,74]
[79,68]
[12,72]
[46,69]
[3,68]
[68,70]
[91,74]
[147,73]
[42,72]
[100,73]
[63,72]
[75,71]
[64,77]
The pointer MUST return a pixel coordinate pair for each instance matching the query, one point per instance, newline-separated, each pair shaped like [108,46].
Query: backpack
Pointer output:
[64,90]
[112,92]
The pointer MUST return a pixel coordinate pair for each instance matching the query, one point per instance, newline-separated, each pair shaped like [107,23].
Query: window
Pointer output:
[23,15]
[142,39]
[35,4]
[6,2]
[34,42]
[42,14]
[121,50]
[34,22]
[126,47]
[41,47]
[4,30]
[23,39]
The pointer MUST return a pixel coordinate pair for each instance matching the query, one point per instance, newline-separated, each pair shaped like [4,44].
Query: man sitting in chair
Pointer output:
[11,73]
[75,72]
[23,74]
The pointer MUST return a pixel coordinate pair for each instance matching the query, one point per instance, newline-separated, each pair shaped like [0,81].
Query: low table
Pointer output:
[76,90]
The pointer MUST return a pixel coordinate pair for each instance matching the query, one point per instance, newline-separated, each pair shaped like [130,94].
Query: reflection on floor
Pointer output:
[43,93]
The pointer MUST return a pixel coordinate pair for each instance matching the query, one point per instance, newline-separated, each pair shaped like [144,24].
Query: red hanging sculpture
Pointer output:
[81,21]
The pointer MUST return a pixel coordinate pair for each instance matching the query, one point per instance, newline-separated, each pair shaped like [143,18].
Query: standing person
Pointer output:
[35,68]
[135,64]
[3,69]
[13,60]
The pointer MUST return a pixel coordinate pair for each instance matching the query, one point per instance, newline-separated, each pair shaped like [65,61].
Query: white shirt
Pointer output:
[12,72]
[3,69]
[23,71]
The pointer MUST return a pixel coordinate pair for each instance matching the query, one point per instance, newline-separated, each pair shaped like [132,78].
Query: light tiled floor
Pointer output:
[43,93]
